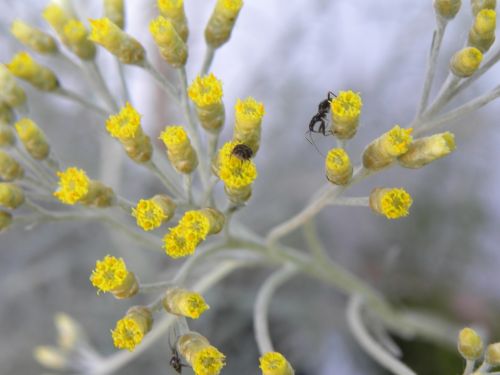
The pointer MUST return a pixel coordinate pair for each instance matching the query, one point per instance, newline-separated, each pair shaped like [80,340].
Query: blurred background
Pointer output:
[444,257]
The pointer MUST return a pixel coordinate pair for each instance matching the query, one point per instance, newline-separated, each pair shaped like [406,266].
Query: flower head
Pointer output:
[23,66]
[33,38]
[131,329]
[338,166]
[447,8]
[196,222]
[179,150]
[109,273]
[392,203]
[208,361]
[184,302]
[425,150]
[345,111]
[397,140]
[171,8]
[171,45]
[11,196]
[249,110]
[221,22]
[470,344]
[56,17]
[125,124]
[206,90]
[232,171]
[274,363]
[173,136]
[11,93]
[114,10]
[180,242]
[149,214]
[466,61]
[73,185]
[492,355]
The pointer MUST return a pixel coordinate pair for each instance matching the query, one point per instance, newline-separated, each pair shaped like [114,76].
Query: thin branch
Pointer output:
[80,100]
[207,61]
[371,347]
[162,81]
[260,321]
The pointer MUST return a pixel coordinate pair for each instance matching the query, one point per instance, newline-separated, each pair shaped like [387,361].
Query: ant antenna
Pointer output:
[311,141]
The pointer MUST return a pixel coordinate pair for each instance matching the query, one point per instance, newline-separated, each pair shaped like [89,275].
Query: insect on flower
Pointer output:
[175,360]
[320,116]
[242,152]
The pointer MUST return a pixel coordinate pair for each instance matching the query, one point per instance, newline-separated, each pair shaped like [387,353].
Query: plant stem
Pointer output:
[207,61]
[78,99]
[162,81]
[369,345]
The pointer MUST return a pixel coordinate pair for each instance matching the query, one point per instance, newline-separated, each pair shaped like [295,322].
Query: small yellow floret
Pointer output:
[73,185]
[56,17]
[347,105]
[103,31]
[196,222]
[173,136]
[206,90]
[170,7]
[127,334]
[162,30]
[395,203]
[191,304]
[33,38]
[234,172]
[485,22]
[109,273]
[125,124]
[208,361]
[249,109]
[470,344]
[398,140]
[149,214]
[274,363]
[337,160]
[23,66]
[180,242]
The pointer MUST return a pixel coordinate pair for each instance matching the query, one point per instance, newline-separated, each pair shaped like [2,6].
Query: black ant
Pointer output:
[175,359]
[242,152]
[320,117]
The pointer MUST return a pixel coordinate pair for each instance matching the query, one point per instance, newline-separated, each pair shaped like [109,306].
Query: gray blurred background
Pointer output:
[444,257]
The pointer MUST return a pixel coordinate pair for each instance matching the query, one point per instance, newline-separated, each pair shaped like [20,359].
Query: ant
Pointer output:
[242,152]
[175,359]
[320,116]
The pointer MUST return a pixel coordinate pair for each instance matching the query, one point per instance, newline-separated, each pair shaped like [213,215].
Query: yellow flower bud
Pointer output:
[345,111]
[111,275]
[492,355]
[447,8]
[465,62]
[470,344]
[11,196]
[183,302]
[221,23]
[75,37]
[32,138]
[10,169]
[123,46]
[51,357]
[114,10]
[130,330]
[203,357]
[33,38]
[384,150]
[206,93]
[274,363]
[7,137]
[174,11]
[69,331]
[56,17]
[248,119]
[98,195]
[172,47]
[338,167]
[479,5]
[23,66]
[482,33]
[425,150]
[179,150]
[391,203]
[10,92]
[5,220]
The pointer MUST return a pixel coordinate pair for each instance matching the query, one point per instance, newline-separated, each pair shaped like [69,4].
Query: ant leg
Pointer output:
[331,95]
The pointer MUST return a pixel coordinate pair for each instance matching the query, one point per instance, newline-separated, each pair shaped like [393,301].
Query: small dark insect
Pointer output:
[320,116]
[242,152]
[175,362]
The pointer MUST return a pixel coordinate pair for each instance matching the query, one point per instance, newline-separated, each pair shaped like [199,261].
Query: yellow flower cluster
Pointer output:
[172,47]
[73,185]
[123,46]
[338,166]
[192,229]
[392,203]
[109,273]
[183,302]
[179,150]
[205,91]
[174,11]
[204,358]
[151,213]
[248,119]
[23,66]
[274,363]
[221,22]
[235,173]
[32,138]
[381,152]
[33,38]
[130,330]
[345,111]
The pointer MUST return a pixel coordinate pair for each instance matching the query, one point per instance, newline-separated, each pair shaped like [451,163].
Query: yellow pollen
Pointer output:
[149,214]
[73,185]
[109,273]
[206,90]
[208,361]
[125,124]
[396,203]
[173,136]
